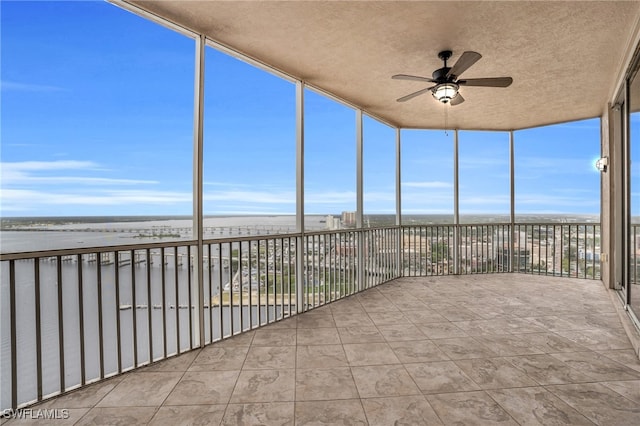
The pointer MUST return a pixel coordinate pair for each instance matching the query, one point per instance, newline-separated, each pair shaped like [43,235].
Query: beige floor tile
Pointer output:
[484,326]
[552,323]
[537,406]
[551,342]
[203,387]
[630,389]
[176,363]
[509,345]
[274,337]
[597,339]
[215,357]
[264,386]
[401,332]
[269,357]
[318,336]
[440,376]
[141,390]
[260,413]
[418,351]
[383,380]
[626,357]
[597,366]
[243,339]
[411,410]
[321,356]
[423,316]
[547,370]
[464,348]
[494,373]
[360,334]
[187,415]
[325,384]
[351,320]
[469,408]
[341,412]
[86,397]
[118,416]
[370,354]
[441,330]
[316,320]
[388,318]
[599,403]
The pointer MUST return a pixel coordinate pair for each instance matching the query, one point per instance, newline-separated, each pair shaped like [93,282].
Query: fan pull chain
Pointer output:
[446,119]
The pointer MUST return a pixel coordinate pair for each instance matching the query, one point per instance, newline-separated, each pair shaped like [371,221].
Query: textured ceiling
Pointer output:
[564,57]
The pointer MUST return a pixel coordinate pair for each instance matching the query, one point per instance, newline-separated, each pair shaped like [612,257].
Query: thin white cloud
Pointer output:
[261,197]
[28,87]
[25,173]
[48,165]
[29,199]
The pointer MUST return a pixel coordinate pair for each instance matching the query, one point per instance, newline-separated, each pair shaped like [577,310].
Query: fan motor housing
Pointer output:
[440,75]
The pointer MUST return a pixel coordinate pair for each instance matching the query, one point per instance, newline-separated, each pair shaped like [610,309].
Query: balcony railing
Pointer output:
[72,317]
[571,250]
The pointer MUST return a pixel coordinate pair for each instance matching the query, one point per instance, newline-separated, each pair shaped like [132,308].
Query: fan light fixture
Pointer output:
[445,92]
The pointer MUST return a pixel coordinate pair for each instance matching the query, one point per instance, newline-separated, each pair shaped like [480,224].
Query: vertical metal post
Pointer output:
[149,304]
[399,240]
[61,323]
[456,207]
[116,271]
[359,199]
[164,302]
[625,277]
[134,303]
[512,203]
[38,308]
[198,144]
[176,290]
[83,375]
[14,333]
[100,328]
[300,197]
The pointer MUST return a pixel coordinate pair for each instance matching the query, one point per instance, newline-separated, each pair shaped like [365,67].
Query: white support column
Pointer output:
[360,201]
[456,212]
[300,273]
[198,136]
[399,243]
[512,214]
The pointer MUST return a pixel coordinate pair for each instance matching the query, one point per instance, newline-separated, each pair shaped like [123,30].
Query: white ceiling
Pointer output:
[564,57]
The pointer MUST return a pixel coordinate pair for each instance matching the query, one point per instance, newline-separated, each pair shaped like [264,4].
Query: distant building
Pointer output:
[348,218]
[333,222]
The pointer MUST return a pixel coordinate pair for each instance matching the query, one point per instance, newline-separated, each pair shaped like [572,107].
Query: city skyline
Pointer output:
[102,125]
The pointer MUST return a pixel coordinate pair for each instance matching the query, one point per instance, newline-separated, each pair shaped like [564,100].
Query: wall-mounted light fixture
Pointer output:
[602,164]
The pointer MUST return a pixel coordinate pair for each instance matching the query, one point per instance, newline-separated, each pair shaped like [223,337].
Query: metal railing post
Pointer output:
[456,206]
[300,255]
[198,144]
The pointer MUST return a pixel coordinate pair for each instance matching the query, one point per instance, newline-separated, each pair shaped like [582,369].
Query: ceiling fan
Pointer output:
[447,84]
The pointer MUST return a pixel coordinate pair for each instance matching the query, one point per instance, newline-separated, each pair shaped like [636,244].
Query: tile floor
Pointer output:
[477,350]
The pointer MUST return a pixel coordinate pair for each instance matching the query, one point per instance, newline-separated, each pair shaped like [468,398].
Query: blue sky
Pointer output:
[97,120]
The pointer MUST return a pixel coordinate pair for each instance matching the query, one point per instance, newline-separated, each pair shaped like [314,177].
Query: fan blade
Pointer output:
[412,78]
[414,94]
[457,100]
[487,82]
[466,60]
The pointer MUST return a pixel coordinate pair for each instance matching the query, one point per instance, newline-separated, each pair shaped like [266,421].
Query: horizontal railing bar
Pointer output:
[91,250]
